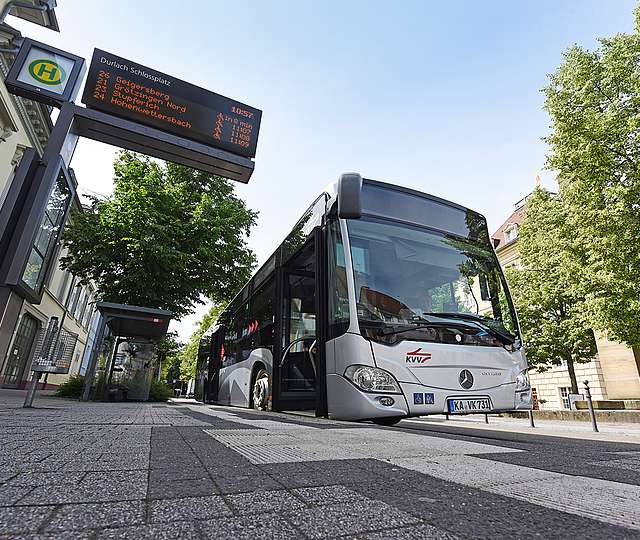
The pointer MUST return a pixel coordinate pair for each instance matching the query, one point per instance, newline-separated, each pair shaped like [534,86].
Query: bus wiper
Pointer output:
[479,321]
[420,324]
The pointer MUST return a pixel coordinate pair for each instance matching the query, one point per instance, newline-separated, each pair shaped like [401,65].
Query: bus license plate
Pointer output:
[457,406]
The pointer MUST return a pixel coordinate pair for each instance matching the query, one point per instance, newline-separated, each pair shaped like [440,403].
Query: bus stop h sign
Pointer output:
[46,74]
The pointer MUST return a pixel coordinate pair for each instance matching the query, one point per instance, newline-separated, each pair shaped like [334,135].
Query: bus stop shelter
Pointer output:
[125,323]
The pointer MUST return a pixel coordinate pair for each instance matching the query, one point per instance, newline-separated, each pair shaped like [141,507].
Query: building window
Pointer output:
[47,235]
[511,233]
[83,301]
[91,311]
[564,397]
[63,285]
[74,296]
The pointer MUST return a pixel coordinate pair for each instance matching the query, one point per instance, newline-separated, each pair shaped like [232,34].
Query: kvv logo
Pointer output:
[47,72]
[417,357]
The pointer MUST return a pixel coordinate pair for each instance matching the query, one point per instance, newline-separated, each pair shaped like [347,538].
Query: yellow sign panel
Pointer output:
[47,72]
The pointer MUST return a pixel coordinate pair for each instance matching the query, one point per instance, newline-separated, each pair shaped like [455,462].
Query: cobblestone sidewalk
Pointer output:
[72,470]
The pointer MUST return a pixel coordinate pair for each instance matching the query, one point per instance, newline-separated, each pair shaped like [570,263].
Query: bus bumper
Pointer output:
[346,402]
[425,400]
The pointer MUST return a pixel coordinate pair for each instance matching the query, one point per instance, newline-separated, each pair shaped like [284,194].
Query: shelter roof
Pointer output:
[135,321]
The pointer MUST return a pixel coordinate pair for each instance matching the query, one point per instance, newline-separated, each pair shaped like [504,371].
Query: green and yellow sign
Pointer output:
[43,73]
[46,71]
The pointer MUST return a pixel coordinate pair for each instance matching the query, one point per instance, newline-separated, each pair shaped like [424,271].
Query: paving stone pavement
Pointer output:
[75,470]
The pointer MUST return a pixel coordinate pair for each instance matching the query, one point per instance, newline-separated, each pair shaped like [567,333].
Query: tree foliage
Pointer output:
[168,352]
[189,354]
[171,369]
[594,102]
[159,391]
[545,289]
[169,345]
[71,388]
[167,236]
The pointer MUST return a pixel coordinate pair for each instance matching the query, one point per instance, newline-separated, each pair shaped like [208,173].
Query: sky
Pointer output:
[443,97]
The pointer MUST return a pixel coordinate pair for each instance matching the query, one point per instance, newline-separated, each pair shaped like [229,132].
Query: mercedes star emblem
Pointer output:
[466,379]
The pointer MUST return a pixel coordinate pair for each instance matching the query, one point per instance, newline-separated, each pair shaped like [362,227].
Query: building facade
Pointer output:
[62,304]
[612,375]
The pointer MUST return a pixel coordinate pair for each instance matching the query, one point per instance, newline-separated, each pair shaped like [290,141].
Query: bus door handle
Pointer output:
[288,348]
[313,357]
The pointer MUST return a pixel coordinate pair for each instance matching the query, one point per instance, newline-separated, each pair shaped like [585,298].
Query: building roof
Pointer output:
[499,237]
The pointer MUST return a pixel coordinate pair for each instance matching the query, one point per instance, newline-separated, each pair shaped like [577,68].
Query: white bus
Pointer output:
[381,304]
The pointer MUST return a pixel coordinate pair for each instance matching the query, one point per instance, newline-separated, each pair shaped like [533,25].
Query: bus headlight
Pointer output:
[372,379]
[522,381]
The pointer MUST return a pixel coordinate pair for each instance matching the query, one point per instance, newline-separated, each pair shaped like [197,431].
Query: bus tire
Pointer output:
[387,420]
[260,390]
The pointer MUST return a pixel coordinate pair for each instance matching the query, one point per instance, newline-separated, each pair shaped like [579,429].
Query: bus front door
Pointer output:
[299,372]
[298,369]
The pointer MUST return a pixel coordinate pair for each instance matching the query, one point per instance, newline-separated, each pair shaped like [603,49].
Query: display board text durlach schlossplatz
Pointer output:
[135,92]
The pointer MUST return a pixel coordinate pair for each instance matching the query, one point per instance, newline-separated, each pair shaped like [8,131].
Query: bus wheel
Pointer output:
[387,420]
[260,390]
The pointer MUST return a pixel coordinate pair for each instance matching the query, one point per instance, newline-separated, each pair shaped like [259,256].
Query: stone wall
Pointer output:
[619,368]
[548,383]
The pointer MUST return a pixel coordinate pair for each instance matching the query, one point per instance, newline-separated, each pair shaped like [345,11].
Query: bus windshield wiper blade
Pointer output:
[479,321]
[406,327]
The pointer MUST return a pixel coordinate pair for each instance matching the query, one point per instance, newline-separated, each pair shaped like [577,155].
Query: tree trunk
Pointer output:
[636,355]
[572,374]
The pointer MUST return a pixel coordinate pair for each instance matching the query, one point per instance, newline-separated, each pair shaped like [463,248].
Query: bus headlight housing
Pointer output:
[372,379]
[522,381]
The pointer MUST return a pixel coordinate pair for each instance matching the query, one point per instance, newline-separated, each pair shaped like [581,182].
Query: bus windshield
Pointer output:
[412,283]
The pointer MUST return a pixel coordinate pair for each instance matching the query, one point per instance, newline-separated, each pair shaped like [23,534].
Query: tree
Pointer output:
[171,370]
[594,101]
[167,351]
[167,236]
[545,291]
[189,354]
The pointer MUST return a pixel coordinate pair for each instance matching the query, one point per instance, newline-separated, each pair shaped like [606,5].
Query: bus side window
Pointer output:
[244,338]
[230,341]
[261,317]
[338,291]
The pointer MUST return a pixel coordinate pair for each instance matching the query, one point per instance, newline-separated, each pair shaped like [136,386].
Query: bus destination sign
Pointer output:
[144,95]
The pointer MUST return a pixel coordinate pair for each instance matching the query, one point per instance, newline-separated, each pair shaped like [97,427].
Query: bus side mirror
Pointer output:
[350,196]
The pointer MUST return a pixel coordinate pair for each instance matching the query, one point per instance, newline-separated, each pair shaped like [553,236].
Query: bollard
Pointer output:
[31,390]
[590,405]
[531,419]
[486,418]
[446,416]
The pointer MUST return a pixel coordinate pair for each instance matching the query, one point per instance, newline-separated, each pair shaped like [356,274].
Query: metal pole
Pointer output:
[31,392]
[531,423]
[486,418]
[590,405]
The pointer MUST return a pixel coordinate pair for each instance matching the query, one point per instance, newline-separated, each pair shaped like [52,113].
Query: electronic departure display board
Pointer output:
[141,94]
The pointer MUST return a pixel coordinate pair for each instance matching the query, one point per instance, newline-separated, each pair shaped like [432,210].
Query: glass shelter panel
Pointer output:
[43,247]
